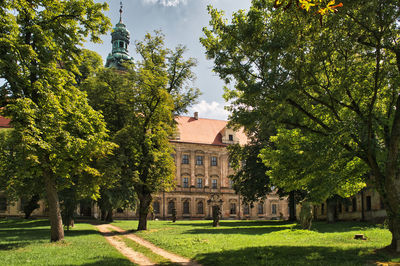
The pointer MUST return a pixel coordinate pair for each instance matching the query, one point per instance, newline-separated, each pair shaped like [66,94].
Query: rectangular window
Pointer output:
[3,204]
[199,160]
[233,208]
[260,208]
[368,199]
[214,161]
[186,182]
[230,137]
[199,182]
[185,159]
[354,203]
[156,207]
[214,183]
[273,208]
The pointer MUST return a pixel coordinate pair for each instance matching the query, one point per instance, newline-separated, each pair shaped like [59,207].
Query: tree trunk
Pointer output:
[144,204]
[109,216]
[331,210]
[306,215]
[292,207]
[57,230]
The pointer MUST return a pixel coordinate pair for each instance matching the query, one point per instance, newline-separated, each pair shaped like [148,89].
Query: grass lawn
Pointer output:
[28,242]
[268,242]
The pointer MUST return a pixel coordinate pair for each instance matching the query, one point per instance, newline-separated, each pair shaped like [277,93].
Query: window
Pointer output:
[230,137]
[199,182]
[3,204]
[186,209]
[121,44]
[322,208]
[199,160]
[200,207]
[233,208]
[340,208]
[214,183]
[185,159]
[230,183]
[246,209]
[354,203]
[171,206]
[368,203]
[214,161]
[273,208]
[260,208]
[186,182]
[156,207]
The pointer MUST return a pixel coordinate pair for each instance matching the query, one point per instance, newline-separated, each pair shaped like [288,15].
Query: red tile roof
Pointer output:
[4,122]
[204,131]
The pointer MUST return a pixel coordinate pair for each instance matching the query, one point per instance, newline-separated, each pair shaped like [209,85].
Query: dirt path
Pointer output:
[118,243]
[172,257]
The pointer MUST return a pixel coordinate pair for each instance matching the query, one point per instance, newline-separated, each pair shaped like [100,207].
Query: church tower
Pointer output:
[120,41]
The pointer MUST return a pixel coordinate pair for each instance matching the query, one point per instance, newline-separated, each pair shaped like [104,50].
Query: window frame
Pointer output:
[214,161]
[185,159]
[214,183]
[199,160]
[185,184]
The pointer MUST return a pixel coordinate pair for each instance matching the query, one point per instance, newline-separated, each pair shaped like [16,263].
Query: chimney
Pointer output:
[196,115]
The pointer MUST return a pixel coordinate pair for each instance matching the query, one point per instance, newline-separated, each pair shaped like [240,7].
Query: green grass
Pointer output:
[28,242]
[268,243]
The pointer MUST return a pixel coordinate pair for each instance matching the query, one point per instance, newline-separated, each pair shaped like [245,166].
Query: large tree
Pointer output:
[56,134]
[139,104]
[335,84]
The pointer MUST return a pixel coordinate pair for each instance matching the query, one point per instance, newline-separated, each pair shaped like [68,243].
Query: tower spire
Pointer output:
[120,12]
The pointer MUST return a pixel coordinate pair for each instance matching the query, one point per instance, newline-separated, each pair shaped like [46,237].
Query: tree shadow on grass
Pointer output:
[291,255]
[22,223]
[109,261]
[13,237]
[234,223]
[345,226]
[238,230]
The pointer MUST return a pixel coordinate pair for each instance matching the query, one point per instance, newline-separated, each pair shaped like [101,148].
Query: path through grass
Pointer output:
[28,243]
[268,243]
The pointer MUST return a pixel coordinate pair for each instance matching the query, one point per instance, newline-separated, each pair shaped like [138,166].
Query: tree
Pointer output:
[332,88]
[139,104]
[56,134]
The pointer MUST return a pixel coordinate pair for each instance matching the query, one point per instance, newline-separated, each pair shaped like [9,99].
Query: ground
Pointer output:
[233,243]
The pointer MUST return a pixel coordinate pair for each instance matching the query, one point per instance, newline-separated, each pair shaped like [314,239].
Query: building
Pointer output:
[202,176]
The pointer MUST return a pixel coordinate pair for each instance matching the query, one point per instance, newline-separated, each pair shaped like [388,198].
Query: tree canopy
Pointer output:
[56,134]
[332,90]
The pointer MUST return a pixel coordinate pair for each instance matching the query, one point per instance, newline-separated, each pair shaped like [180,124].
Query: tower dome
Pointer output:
[120,39]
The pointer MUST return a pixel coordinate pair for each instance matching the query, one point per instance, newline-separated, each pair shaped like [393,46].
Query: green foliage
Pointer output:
[138,105]
[250,179]
[56,133]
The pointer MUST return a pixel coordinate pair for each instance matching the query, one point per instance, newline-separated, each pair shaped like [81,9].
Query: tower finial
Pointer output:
[120,13]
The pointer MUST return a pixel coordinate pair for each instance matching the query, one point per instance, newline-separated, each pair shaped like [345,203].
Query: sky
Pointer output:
[181,21]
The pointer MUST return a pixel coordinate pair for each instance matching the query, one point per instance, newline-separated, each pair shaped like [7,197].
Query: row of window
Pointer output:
[199,184]
[200,208]
[199,160]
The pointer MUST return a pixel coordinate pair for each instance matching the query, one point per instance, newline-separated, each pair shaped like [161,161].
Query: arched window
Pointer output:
[156,207]
[233,208]
[186,208]
[171,205]
[200,207]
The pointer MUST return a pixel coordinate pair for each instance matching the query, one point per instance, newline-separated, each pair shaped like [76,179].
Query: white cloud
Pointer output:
[213,110]
[166,2]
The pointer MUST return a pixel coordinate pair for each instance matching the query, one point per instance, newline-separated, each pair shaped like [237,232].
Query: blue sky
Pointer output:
[181,21]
